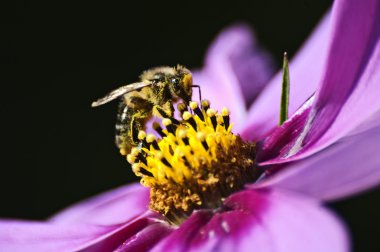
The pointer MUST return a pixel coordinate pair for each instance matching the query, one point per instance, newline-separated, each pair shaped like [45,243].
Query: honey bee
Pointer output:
[154,94]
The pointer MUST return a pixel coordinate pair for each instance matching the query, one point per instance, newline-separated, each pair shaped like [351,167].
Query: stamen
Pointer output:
[211,113]
[175,121]
[145,172]
[160,156]
[205,105]
[182,108]
[131,159]
[134,151]
[158,129]
[202,137]
[151,140]
[183,135]
[226,117]
[189,118]
[168,124]
[141,136]
[141,158]
[197,111]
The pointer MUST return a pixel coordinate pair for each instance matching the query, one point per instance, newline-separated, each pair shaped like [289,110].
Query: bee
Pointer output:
[154,94]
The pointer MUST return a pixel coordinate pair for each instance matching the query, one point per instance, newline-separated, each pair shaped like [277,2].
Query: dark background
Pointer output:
[57,58]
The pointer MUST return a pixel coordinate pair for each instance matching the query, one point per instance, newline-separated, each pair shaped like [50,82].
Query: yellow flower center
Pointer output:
[196,164]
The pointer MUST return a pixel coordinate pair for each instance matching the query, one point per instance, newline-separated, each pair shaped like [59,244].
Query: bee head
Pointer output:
[181,84]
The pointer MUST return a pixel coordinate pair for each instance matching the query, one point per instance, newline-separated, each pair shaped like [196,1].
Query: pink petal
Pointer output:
[180,239]
[305,75]
[349,166]
[260,220]
[283,137]
[348,95]
[235,68]
[146,238]
[113,207]
[347,61]
[48,236]
[362,104]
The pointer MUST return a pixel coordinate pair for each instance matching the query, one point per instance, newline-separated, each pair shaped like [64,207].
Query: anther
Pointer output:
[169,125]
[226,117]
[151,139]
[211,113]
[202,137]
[131,159]
[195,108]
[182,108]
[134,152]
[183,135]
[157,127]
[141,136]
[205,105]
[189,118]
[136,156]
[136,167]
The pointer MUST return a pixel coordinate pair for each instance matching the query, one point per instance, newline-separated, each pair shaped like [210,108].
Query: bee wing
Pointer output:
[119,92]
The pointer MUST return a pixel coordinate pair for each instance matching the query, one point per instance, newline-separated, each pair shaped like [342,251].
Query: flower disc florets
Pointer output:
[195,165]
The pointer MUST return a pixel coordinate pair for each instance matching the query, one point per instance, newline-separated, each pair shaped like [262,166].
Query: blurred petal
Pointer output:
[305,75]
[260,220]
[235,68]
[236,50]
[349,166]
[113,207]
[40,236]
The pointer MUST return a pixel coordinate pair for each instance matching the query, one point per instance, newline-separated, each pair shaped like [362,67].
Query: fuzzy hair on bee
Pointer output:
[153,95]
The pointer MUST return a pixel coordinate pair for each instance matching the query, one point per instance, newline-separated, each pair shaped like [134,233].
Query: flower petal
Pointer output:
[349,166]
[348,95]
[350,69]
[284,136]
[261,220]
[48,236]
[180,239]
[235,67]
[146,238]
[113,207]
[305,75]
[362,104]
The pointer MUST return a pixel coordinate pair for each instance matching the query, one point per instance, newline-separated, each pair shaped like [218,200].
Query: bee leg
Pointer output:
[199,90]
[164,111]
[137,123]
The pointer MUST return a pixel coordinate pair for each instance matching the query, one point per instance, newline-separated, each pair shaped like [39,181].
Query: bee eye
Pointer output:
[175,81]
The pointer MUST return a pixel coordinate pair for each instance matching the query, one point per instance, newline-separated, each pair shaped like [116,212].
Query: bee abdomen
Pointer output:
[130,120]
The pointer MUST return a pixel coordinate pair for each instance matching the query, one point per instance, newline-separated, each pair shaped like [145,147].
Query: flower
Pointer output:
[325,150]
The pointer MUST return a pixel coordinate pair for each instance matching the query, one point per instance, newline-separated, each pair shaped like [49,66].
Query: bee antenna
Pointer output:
[199,90]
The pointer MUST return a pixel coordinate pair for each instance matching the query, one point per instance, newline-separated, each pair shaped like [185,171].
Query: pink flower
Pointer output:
[326,150]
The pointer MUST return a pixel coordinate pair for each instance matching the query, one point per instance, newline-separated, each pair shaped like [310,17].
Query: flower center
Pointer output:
[196,164]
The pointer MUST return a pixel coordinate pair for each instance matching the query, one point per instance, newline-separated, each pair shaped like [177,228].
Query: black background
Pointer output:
[56,58]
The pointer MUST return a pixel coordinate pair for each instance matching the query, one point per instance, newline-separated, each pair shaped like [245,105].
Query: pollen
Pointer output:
[195,164]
